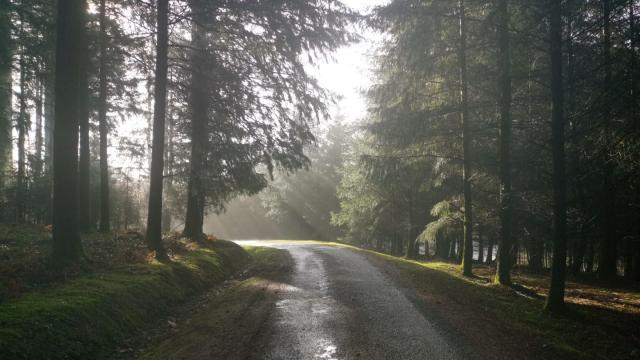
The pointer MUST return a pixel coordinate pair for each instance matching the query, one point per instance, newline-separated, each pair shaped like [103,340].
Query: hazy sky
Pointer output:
[349,72]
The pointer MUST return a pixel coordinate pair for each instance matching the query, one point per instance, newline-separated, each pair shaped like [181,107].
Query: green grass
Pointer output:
[88,315]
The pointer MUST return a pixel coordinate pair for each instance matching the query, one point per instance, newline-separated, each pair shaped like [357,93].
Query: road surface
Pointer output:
[339,306]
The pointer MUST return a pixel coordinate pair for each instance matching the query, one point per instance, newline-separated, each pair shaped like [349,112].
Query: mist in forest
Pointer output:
[460,167]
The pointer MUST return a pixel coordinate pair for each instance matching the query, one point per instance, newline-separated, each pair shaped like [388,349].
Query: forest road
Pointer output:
[337,305]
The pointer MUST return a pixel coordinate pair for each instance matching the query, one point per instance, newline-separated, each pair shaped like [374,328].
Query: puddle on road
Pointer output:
[327,350]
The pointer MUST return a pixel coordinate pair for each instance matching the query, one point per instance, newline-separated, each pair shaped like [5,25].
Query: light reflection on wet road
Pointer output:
[339,306]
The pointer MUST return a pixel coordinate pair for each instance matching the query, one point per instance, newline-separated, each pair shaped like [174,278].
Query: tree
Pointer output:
[84,166]
[467,257]
[105,209]
[236,144]
[555,298]
[607,261]
[5,89]
[503,271]
[199,118]
[70,20]
[154,220]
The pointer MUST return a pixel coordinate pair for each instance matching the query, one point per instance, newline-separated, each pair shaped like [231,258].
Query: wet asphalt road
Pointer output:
[339,306]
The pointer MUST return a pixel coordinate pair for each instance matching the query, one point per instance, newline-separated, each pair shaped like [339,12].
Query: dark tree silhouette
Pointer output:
[67,247]
[154,220]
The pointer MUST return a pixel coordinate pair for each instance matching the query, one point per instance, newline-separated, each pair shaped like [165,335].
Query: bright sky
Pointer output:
[350,72]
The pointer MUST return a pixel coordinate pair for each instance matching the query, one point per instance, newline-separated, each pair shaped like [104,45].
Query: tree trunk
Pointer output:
[199,117]
[22,127]
[633,61]
[555,299]
[635,266]
[607,260]
[535,253]
[412,245]
[105,208]
[49,117]
[37,166]
[480,245]
[84,206]
[489,259]
[589,258]
[505,242]
[467,257]
[154,220]
[67,247]
[580,243]
[628,257]
[452,248]
[167,216]
[5,92]
[49,125]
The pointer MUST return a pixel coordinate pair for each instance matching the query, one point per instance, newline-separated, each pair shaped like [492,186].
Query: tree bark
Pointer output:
[5,91]
[505,242]
[412,245]
[84,208]
[489,258]
[37,167]
[607,260]
[154,220]
[194,218]
[467,252]
[167,216]
[555,299]
[105,208]
[67,247]
[480,245]
[22,127]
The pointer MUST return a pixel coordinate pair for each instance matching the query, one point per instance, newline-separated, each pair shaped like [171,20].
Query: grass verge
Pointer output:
[600,323]
[226,327]
[88,315]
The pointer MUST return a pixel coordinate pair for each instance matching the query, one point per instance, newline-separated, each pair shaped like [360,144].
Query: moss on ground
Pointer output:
[88,315]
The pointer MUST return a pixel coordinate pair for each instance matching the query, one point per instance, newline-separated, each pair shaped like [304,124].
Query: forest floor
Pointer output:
[108,299]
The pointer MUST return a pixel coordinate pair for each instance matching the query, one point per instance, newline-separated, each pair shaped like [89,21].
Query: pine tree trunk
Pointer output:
[5,92]
[480,245]
[37,167]
[22,127]
[67,247]
[199,115]
[590,257]
[535,253]
[412,245]
[607,260]
[105,207]
[505,242]
[167,217]
[555,299]
[84,208]
[580,243]
[49,115]
[489,258]
[467,257]
[154,220]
